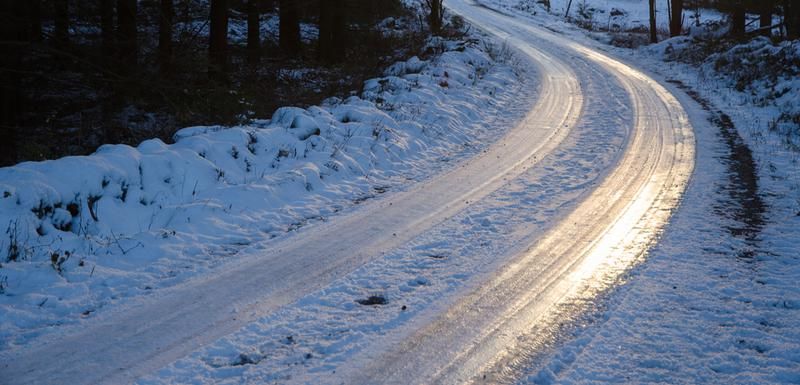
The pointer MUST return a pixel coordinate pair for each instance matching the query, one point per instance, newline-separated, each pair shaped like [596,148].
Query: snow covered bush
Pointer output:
[82,231]
[767,71]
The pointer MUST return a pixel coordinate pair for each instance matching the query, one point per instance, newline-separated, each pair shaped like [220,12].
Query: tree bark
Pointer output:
[126,34]
[653,32]
[254,31]
[12,100]
[289,27]
[436,16]
[35,17]
[218,40]
[107,27]
[737,20]
[791,18]
[765,18]
[165,37]
[332,31]
[676,21]
[61,23]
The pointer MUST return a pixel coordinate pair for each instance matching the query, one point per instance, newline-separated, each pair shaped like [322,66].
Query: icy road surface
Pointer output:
[506,317]
[600,222]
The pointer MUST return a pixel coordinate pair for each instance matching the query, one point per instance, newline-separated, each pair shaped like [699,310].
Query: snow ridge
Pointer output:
[83,232]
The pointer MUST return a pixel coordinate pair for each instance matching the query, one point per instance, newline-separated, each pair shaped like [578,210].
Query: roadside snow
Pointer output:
[608,15]
[328,336]
[717,300]
[82,233]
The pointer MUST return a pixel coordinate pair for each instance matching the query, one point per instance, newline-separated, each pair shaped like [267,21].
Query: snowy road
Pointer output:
[489,333]
[609,228]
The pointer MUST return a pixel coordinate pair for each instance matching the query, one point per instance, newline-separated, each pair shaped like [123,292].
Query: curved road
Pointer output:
[621,216]
[490,333]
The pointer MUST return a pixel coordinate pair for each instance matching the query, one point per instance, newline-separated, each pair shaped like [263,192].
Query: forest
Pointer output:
[78,74]
[737,10]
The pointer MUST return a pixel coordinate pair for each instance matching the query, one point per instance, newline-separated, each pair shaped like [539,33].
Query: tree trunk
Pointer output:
[765,18]
[61,23]
[290,27]
[35,15]
[676,21]
[332,31]
[12,101]
[436,16]
[653,32]
[253,31]
[791,19]
[126,34]
[165,37]
[107,27]
[218,40]
[737,19]
[186,11]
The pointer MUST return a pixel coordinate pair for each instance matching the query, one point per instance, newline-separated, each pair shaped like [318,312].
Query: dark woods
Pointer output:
[768,11]
[77,74]
[788,10]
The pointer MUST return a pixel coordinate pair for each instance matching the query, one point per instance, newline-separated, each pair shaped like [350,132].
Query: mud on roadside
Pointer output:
[745,208]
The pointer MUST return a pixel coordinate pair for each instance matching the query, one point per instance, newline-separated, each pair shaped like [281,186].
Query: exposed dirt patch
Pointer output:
[373,300]
[745,207]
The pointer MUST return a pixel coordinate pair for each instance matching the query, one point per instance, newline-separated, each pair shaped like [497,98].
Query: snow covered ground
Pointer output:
[716,301]
[84,233]
[609,15]
[566,145]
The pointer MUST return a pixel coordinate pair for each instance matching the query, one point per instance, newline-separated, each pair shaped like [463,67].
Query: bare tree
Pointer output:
[289,27]
[738,19]
[218,40]
[653,32]
[765,17]
[436,15]
[676,18]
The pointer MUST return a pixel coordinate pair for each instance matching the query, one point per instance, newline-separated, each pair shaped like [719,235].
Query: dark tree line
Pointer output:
[73,65]
[788,10]
[737,10]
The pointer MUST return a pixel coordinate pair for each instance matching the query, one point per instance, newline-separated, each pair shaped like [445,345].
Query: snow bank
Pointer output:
[607,15]
[715,301]
[83,232]
[766,73]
